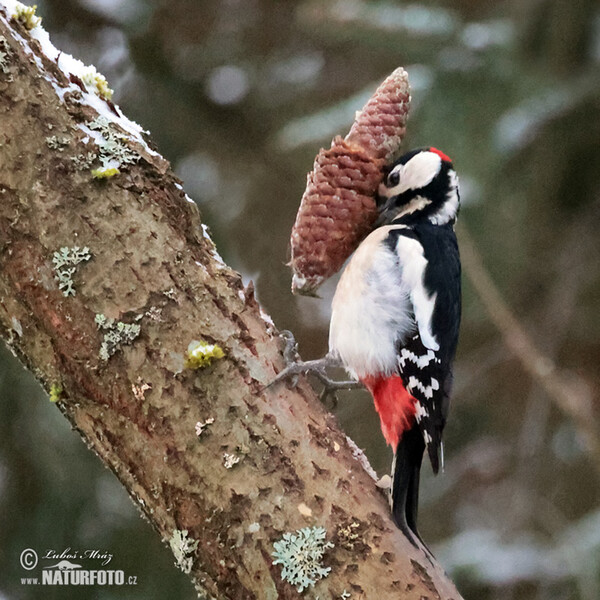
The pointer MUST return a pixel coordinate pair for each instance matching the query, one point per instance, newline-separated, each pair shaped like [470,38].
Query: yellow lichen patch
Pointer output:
[55,392]
[201,354]
[26,16]
[102,87]
[97,82]
[105,172]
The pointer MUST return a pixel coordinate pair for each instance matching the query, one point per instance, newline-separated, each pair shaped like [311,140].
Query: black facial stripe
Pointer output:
[436,191]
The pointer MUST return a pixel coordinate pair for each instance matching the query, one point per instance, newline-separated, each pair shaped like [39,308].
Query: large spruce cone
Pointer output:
[338,207]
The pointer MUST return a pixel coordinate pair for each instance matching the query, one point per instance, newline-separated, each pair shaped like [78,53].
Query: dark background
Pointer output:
[239,95]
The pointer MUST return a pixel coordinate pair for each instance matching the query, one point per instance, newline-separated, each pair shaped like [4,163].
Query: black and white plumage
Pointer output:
[396,316]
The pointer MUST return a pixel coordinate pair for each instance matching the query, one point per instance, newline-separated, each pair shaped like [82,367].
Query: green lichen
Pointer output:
[55,392]
[183,548]
[83,161]
[96,82]
[300,556]
[105,172]
[111,148]
[57,143]
[116,334]
[26,16]
[201,354]
[65,264]
[5,54]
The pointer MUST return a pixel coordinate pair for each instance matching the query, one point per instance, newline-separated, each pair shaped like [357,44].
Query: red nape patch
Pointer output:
[443,156]
[396,407]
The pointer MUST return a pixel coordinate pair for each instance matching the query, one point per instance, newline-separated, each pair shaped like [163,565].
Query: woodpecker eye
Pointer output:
[393,178]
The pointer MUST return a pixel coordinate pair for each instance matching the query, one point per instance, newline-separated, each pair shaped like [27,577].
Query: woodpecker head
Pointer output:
[422,184]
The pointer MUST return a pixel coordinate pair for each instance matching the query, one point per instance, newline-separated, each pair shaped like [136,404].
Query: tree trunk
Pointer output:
[105,329]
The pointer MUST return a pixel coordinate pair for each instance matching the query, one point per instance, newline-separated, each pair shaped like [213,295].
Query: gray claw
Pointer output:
[290,351]
[317,367]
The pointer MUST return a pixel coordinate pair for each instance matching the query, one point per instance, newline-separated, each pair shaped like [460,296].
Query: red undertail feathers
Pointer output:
[396,407]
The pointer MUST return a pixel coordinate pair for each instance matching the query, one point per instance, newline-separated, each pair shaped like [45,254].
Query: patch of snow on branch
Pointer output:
[70,66]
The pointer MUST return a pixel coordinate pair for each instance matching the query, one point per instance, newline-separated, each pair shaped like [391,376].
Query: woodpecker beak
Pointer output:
[387,212]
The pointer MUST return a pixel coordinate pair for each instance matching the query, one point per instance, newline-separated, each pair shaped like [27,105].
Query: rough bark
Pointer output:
[152,265]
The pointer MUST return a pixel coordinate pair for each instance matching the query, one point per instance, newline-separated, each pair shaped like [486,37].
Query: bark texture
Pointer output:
[151,265]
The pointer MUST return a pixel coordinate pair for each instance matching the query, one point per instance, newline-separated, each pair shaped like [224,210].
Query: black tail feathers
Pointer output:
[405,482]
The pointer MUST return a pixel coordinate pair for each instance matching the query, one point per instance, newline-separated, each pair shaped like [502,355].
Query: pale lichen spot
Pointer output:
[5,54]
[183,548]
[300,555]
[140,388]
[230,460]
[116,334]
[304,510]
[201,426]
[254,527]
[65,263]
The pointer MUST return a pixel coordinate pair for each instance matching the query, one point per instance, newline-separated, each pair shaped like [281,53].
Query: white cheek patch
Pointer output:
[417,173]
[416,204]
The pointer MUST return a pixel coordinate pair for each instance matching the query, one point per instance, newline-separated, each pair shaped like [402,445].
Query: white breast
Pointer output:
[371,309]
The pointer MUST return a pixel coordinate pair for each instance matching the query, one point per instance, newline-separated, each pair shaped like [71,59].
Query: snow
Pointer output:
[216,256]
[72,66]
[361,457]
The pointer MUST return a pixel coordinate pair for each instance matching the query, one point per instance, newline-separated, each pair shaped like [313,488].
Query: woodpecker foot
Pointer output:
[315,367]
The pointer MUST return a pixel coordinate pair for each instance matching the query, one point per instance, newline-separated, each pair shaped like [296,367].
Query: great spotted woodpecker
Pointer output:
[396,316]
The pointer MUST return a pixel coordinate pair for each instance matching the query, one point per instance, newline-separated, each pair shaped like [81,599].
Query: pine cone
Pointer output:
[338,208]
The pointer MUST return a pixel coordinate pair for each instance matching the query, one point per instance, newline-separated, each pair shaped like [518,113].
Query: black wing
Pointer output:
[427,374]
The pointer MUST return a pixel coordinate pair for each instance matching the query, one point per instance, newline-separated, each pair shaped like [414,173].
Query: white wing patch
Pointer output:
[420,361]
[426,390]
[413,264]
[421,411]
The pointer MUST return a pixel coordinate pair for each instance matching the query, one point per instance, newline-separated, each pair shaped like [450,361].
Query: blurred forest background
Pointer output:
[239,95]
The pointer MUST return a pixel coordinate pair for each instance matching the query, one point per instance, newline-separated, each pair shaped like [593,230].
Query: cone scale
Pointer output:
[338,208]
